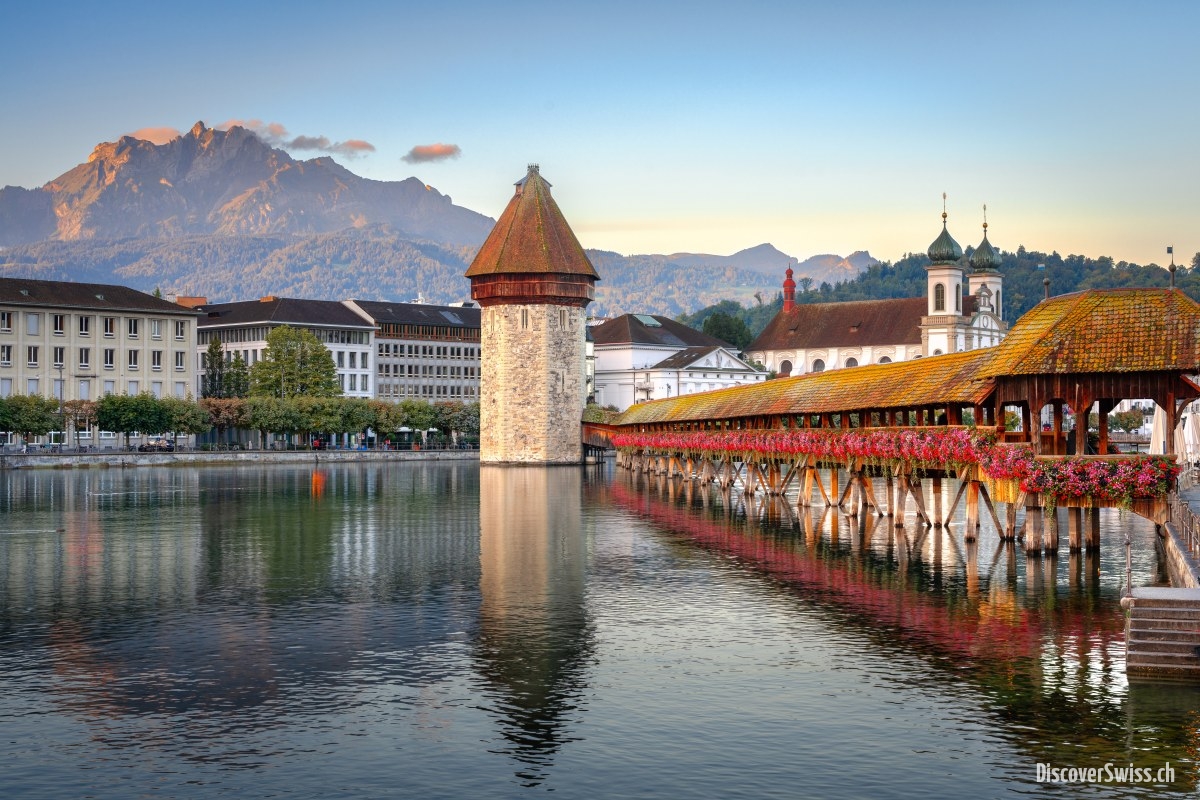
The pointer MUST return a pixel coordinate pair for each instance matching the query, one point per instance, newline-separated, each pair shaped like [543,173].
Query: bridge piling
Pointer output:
[1033,530]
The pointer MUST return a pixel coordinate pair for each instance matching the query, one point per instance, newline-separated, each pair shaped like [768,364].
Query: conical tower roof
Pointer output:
[532,237]
[985,258]
[944,249]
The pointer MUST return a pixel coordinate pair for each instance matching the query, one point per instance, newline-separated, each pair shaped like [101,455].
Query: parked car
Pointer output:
[157,446]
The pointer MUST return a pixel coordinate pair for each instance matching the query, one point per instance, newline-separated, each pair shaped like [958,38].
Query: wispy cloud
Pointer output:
[155,135]
[276,135]
[423,153]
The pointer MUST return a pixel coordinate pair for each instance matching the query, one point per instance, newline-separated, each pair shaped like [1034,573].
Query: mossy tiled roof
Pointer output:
[531,237]
[953,378]
[1096,331]
[1103,330]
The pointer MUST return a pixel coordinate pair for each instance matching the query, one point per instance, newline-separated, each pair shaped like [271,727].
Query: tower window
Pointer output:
[524,319]
[939,297]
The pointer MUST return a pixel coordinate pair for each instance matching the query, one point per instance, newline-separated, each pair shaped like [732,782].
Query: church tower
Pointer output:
[533,282]
[944,277]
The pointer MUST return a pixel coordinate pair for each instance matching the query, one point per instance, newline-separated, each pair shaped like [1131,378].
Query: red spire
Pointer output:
[789,291]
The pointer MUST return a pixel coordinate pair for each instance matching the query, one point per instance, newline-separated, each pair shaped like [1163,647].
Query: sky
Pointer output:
[666,126]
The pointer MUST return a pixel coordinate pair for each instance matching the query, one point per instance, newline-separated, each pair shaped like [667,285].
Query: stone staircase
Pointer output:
[1162,633]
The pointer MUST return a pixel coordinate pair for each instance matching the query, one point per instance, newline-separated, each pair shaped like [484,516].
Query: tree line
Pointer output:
[32,416]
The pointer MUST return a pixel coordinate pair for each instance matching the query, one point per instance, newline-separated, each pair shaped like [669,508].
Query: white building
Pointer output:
[243,327]
[642,357]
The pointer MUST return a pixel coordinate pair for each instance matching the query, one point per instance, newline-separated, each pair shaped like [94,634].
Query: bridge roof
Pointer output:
[953,378]
[1095,331]
[1103,331]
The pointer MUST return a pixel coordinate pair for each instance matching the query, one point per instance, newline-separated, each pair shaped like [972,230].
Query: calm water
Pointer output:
[444,630]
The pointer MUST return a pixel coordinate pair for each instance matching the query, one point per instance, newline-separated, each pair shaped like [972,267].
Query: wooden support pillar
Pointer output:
[806,492]
[937,501]
[1074,528]
[1093,529]
[1052,530]
[833,485]
[972,530]
[1010,522]
[1033,530]
[891,497]
[1057,406]
[1104,408]
[898,501]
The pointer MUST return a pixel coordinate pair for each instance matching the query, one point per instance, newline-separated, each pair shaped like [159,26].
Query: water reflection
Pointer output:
[535,638]
[1040,639]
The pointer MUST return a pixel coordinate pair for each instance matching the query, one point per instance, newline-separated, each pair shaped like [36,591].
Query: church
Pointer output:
[814,337]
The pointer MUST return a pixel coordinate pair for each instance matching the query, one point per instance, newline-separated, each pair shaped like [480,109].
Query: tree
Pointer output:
[728,328]
[185,416]
[224,413]
[31,415]
[81,414]
[116,412]
[214,370]
[294,364]
[1128,421]
[237,377]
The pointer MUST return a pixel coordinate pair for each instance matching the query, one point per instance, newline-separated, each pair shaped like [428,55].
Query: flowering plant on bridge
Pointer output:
[1104,480]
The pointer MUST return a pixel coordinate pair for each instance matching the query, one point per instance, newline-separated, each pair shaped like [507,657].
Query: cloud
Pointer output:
[432,152]
[155,135]
[276,135]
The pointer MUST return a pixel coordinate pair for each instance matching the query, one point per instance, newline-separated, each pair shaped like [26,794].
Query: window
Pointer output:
[110,358]
[60,324]
[785,368]
[366,383]
[132,388]
[180,330]
[957,297]
[156,329]
[156,389]
[156,360]
[31,386]
[132,363]
[6,321]
[110,387]
[85,326]
[32,352]
[341,359]
[851,362]
[885,360]
[60,356]
[133,327]
[85,357]
[110,326]
[818,366]
[85,390]
[5,355]
[179,361]
[353,361]
[939,297]
[365,365]
[32,323]
[5,387]
[353,382]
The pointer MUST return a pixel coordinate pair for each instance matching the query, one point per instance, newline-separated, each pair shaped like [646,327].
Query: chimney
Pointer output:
[267,298]
[789,291]
[191,302]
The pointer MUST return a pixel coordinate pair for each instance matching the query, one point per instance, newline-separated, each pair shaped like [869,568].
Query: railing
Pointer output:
[1181,515]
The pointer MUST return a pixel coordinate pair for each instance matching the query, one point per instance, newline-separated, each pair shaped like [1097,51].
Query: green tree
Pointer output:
[224,413]
[118,413]
[237,377]
[185,416]
[214,370]
[31,415]
[294,364]
[1128,421]
[728,328]
[272,415]
[81,414]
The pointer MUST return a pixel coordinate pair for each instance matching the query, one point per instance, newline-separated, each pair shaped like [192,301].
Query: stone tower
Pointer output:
[533,282]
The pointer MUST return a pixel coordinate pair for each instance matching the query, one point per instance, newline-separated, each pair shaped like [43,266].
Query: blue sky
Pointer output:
[669,127]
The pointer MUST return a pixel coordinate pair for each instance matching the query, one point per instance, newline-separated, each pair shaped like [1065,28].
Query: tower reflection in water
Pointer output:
[535,637]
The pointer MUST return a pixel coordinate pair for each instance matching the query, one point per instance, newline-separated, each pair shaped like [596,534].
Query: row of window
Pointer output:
[133,358]
[425,390]
[33,387]
[59,322]
[429,371]
[396,350]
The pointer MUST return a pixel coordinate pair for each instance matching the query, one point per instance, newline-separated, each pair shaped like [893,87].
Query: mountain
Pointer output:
[766,259]
[230,182]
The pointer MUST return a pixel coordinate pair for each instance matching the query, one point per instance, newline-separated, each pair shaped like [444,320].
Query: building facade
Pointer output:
[422,351]
[242,328]
[814,337]
[641,357]
[533,281]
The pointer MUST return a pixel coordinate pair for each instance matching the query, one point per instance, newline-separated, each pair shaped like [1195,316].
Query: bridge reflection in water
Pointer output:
[1046,650]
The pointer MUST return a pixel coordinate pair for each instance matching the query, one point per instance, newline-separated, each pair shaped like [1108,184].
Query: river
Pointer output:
[450,630]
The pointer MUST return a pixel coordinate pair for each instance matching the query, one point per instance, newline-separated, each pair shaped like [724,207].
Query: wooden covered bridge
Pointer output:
[945,416]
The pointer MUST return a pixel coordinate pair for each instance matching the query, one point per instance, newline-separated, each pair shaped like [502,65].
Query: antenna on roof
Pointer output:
[1171,269]
[944,215]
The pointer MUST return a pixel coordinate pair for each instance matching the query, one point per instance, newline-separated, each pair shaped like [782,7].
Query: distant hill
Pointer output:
[223,215]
